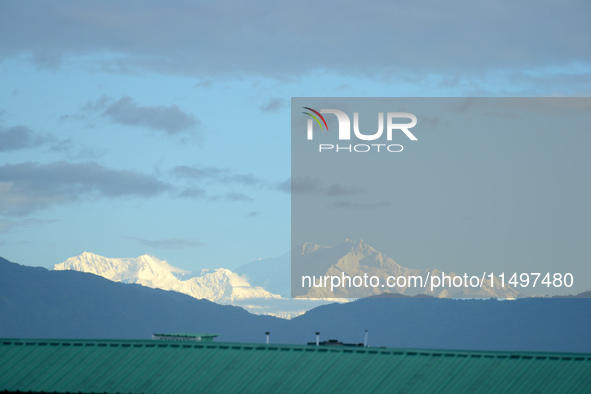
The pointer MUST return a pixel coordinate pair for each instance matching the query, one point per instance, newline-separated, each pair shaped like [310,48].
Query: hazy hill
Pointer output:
[531,324]
[271,274]
[35,302]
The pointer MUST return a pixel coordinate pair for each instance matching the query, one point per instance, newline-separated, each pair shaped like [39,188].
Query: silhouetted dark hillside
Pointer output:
[36,302]
[585,294]
[547,324]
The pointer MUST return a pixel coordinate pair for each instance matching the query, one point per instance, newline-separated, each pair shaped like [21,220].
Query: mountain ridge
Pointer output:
[38,303]
[218,285]
[265,286]
[357,258]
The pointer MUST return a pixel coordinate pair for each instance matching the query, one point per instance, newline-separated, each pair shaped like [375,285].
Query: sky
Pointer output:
[163,128]
[489,185]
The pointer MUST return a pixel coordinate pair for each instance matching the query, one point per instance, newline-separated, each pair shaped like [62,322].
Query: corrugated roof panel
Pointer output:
[177,367]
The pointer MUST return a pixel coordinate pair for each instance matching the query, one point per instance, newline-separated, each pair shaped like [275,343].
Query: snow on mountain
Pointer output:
[219,285]
[355,258]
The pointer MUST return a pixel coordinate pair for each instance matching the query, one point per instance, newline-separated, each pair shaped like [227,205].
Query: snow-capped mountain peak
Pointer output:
[220,285]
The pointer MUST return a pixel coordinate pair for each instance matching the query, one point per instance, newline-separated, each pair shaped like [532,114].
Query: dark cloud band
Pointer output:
[26,187]
[387,38]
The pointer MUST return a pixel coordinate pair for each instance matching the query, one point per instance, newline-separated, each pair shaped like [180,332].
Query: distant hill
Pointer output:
[529,324]
[35,302]
[585,294]
[398,295]
[272,274]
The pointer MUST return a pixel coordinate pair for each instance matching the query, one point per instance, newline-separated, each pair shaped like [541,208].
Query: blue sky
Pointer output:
[164,128]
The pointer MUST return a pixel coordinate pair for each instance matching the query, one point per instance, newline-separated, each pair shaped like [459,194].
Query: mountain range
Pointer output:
[263,286]
[220,285]
[39,303]
[356,258]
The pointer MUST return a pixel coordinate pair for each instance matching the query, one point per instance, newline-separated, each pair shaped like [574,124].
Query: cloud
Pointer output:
[8,226]
[198,173]
[48,58]
[18,137]
[67,117]
[216,174]
[30,186]
[389,38]
[22,137]
[197,193]
[274,104]
[231,197]
[172,243]
[68,148]
[170,119]
[193,192]
[316,187]
[205,84]
[361,206]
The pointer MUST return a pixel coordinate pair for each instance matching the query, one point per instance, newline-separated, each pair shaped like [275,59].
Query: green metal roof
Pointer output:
[128,366]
